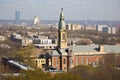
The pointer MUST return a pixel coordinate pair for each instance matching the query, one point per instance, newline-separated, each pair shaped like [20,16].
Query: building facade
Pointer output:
[65,57]
[73,27]
[17,16]
[2,38]
[26,41]
[106,29]
[44,43]
[36,20]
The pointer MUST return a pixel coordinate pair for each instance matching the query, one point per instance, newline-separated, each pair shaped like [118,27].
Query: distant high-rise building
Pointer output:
[36,20]
[113,30]
[110,30]
[100,27]
[17,16]
[73,27]
[106,30]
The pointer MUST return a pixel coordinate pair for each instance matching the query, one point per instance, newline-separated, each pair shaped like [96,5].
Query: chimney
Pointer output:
[101,48]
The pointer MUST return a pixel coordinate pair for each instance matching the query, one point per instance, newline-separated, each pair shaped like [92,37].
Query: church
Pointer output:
[65,57]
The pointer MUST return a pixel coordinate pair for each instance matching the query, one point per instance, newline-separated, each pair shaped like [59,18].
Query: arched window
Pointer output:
[76,61]
[71,63]
[64,61]
[63,37]
[87,62]
[82,61]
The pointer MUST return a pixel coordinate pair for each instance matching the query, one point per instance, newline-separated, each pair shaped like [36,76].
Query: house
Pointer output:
[2,38]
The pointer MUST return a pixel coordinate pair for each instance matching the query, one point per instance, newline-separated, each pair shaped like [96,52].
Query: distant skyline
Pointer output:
[50,9]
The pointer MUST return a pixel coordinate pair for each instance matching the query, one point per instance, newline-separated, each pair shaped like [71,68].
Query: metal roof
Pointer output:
[85,48]
[89,49]
[95,48]
[112,48]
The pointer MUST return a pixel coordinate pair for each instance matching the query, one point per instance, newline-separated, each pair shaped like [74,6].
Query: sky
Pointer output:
[50,9]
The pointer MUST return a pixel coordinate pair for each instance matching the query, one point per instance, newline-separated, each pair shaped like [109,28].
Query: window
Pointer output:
[82,61]
[50,46]
[56,61]
[86,61]
[97,60]
[64,61]
[63,37]
[71,63]
[76,61]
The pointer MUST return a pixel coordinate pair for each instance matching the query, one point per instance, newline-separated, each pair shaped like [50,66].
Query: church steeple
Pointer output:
[62,34]
[62,21]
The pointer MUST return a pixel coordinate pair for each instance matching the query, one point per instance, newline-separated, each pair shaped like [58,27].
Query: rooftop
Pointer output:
[89,49]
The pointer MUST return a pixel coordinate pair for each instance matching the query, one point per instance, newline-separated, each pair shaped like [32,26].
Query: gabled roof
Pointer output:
[63,51]
[58,51]
[54,53]
[85,48]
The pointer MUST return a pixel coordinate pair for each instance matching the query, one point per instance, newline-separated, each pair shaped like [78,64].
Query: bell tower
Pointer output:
[62,34]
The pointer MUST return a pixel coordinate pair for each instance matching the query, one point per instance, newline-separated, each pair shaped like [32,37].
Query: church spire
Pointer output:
[61,21]
[62,34]
[61,9]
[62,14]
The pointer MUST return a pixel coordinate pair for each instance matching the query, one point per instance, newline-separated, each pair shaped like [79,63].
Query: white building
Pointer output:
[110,30]
[113,30]
[90,27]
[100,27]
[44,43]
[106,29]
[2,38]
[36,20]
[73,27]
[68,26]
[26,41]
[16,36]
[5,46]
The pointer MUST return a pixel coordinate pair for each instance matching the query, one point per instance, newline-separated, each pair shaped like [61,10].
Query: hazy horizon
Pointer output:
[73,9]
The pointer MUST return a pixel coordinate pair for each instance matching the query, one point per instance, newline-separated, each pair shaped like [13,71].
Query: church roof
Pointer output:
[112,48]
[85,48]
[88,49]
[94,48]
[58,51]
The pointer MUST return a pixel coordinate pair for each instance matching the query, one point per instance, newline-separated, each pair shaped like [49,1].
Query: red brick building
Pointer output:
[65,57]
